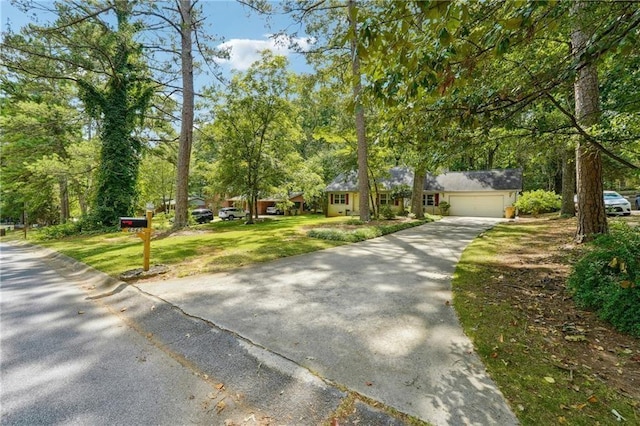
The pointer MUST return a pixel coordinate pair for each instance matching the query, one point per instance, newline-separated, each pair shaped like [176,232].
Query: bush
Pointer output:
[361,234]
[56,232]
[538,201]
[83,226]
[607,279]
[342,235]
[387,212]
[444,208]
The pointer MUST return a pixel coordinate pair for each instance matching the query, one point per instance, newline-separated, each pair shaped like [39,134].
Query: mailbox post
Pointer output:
[143,227]
[146,238]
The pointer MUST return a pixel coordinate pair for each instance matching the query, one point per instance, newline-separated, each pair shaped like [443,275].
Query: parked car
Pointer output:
[202,215]
[274,210]
[637,201]
[230,213]
[616,204]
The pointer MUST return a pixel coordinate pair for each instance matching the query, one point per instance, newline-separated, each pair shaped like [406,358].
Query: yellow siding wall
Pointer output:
[341,209]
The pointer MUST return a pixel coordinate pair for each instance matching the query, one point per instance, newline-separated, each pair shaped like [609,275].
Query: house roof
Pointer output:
[484,180]
[266,199]
[343,182]
[349,181]
[193,199]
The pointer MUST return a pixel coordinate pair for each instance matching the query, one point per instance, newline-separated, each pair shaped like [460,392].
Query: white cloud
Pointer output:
[244,52]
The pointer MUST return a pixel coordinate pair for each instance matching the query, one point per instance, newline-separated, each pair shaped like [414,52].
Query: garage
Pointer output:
[484,205]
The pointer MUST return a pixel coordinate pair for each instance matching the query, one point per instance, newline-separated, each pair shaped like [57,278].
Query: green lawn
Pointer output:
[212,247]
[216,246]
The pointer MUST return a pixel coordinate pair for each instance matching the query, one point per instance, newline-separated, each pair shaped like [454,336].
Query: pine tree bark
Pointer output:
[363,177]
[592,219]
[568,208]
[186,127]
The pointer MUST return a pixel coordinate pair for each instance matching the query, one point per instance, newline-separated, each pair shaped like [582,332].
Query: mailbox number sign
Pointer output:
[133,222]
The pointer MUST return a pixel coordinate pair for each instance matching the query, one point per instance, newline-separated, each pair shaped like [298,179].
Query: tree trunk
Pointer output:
[64,201]
[568,208]
[416,195]
[186,127]
[363,178]
[374,197]
[255,207]
[592,217]
[84,207]
[492,155]
[250,207]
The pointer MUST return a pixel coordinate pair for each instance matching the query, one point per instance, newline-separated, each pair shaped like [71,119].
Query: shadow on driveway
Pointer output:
[372,316]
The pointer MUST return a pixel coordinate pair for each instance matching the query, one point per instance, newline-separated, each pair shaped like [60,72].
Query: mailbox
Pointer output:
[133,222]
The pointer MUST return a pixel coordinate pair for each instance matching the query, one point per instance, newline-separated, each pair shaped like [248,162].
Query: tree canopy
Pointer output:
[433,85]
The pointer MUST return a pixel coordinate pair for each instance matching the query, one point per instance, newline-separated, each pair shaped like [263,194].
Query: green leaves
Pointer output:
[255,131]
[607,278]
[502,46]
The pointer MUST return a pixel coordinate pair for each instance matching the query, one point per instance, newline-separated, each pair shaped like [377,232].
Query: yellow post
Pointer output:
[145,236]
[147,241]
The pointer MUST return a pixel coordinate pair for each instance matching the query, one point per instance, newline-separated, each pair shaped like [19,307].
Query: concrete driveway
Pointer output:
[373,317]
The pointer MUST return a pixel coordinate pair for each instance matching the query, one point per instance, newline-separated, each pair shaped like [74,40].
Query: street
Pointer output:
[68,360]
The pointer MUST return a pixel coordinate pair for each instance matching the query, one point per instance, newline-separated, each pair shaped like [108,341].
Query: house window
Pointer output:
[339,198]
[385,199]
[430,199]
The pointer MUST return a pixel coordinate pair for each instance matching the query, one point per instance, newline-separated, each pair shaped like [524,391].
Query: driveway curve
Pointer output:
[373,317]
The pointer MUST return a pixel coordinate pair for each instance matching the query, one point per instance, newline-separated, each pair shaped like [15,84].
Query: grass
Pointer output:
[519,347]
[212,247]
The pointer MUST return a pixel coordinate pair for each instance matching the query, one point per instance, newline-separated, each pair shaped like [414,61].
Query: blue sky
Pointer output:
[247,33]
[244,31]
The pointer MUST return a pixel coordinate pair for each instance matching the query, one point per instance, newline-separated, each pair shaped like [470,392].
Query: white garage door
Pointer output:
[477,205]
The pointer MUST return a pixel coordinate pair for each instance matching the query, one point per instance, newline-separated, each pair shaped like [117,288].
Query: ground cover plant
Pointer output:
[555,362]
[607,279]
[353,230]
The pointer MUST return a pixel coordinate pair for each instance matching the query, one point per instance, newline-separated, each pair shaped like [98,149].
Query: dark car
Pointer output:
[202,215]
[637,201]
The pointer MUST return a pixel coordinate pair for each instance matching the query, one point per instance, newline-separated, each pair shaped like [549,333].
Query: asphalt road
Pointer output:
[69,360]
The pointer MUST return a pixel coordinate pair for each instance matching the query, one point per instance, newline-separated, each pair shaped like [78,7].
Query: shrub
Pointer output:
[56,232]
[342,235]
[387,212]
[444,208]
[607,278]
[538,201]
[361,234]
[83,226]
